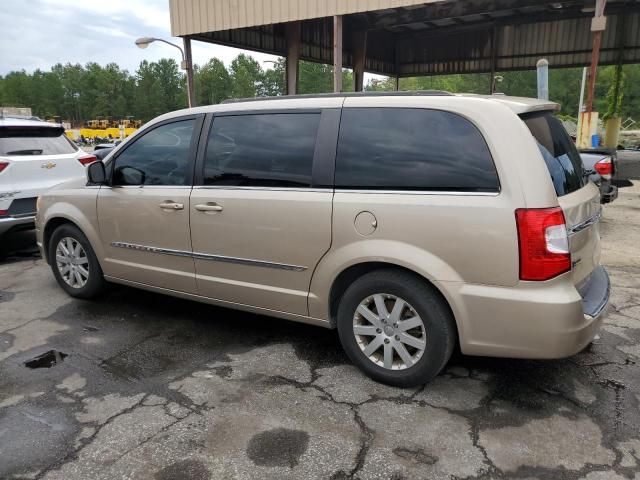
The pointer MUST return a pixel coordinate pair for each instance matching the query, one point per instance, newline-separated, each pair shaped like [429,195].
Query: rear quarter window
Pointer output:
[34,141]
[558,150]
[412,149]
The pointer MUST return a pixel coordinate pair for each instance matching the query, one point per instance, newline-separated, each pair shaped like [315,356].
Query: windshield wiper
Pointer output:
[31,151]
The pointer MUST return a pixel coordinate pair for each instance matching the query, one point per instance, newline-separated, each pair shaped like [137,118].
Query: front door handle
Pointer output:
[171,205]
[208,207]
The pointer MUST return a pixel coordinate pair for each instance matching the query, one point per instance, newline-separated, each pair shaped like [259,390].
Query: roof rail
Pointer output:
[407,93]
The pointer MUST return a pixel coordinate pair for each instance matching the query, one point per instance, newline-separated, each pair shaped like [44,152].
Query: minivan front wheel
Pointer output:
[74,263]
[395,328]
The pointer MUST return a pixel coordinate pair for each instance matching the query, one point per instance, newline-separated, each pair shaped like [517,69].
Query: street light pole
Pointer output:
[188,67]
[186,64]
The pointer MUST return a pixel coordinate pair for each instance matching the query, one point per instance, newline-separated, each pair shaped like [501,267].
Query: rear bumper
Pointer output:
[532,320]
[8,224]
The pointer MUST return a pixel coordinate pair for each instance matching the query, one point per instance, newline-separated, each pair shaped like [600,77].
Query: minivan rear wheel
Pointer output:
[74,263]
[396,328]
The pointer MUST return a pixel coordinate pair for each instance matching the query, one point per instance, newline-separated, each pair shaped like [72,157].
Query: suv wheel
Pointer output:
[395,328]
[74,263]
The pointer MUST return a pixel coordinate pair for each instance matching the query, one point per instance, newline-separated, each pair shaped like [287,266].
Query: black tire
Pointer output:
[95,283]
[439,325]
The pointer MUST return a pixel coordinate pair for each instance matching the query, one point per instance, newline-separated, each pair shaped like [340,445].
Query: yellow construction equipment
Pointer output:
[110,128]
[129,122]
[100,123]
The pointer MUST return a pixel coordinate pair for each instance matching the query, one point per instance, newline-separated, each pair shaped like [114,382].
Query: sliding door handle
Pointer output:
[208,207]
[170,205]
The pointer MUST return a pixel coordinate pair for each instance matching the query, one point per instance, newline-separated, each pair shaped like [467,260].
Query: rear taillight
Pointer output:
[4,213]
[605,168]
[87,159]
[543,242]
[3,165]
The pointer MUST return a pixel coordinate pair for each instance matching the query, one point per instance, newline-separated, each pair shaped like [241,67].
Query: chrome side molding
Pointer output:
[144,248]
[586,224]
[207,256]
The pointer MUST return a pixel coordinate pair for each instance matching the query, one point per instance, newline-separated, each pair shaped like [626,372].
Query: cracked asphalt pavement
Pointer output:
[154,387]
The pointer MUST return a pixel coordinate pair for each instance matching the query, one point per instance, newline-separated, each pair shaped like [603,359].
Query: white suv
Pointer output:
[34,156]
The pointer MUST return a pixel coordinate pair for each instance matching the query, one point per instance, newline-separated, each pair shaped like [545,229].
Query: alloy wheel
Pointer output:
[389,331]
[72,262]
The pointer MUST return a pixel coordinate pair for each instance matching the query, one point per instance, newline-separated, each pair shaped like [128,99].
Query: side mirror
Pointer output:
[96,174]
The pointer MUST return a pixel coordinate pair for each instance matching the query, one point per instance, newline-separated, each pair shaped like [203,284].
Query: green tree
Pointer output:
[18,89]
[386,84]
[246,76]
[76,92]
[318,78]
[631,92]
[273,79]
[172,84]
[145,78]
[615,94]
[213,83]
[315,77]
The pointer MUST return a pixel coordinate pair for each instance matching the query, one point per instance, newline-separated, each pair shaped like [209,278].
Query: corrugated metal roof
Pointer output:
[441,37]
[190,17]
[565,43]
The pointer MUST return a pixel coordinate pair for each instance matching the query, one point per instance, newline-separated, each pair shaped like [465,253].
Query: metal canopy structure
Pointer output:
[405,38]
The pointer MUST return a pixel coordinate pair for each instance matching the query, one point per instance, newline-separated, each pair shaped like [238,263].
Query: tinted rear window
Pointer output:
[412,149]
[34,141]
[558,150]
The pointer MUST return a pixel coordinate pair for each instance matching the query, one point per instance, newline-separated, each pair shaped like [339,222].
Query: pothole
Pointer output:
[46,360]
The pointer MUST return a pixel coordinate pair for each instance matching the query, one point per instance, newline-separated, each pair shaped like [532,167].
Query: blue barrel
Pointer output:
[595,140]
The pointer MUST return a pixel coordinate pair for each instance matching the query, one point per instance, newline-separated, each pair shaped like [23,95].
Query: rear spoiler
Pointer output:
[28,130]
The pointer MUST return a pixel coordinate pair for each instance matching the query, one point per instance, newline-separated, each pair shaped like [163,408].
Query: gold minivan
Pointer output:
[412,222]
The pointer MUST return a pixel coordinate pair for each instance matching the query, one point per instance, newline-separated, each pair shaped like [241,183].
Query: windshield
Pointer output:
[559,153]
[34,141]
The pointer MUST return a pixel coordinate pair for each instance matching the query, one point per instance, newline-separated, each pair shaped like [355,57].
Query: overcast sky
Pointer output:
[41,33]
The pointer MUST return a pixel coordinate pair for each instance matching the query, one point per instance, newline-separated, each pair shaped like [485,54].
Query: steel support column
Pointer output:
[337,53]
[492,74]
[359,56]
[293,36]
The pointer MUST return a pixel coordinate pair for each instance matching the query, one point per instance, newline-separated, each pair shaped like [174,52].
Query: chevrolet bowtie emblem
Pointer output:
[48,165]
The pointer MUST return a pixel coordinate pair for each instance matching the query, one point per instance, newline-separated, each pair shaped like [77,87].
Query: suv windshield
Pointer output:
[34,141]
[558,150]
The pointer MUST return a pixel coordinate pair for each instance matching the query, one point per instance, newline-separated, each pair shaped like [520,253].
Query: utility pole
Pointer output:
[598,24]
[188,67]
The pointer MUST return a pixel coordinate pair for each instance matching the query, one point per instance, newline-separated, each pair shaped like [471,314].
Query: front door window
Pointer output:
[160,157]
